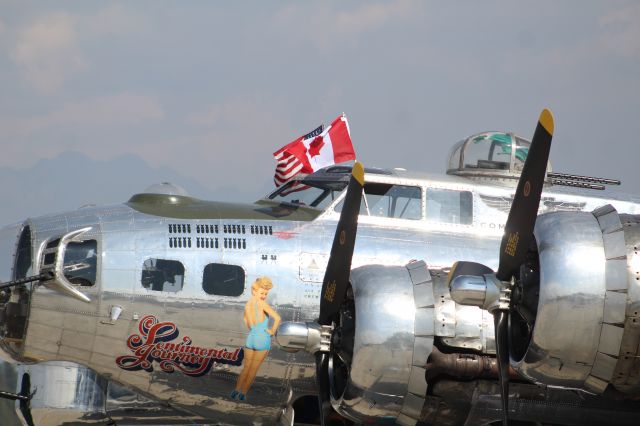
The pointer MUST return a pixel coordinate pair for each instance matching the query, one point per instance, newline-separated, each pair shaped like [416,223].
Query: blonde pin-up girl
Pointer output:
[256,317]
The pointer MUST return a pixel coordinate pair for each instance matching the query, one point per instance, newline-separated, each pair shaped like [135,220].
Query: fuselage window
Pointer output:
[444,205]
[80,262]
[162,275]
[394,201]
[223,280]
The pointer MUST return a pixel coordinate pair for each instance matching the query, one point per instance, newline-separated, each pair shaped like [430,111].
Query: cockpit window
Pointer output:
[489,151]
[309,193]
[444,205]
[80,262]
[23,254]
[386,200]
[162,275]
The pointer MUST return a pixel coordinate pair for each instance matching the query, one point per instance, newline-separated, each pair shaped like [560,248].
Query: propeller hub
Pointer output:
[485,291]
[310,337]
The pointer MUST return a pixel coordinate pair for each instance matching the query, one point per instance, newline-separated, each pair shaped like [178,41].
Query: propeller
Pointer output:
[336,277]
[476,284]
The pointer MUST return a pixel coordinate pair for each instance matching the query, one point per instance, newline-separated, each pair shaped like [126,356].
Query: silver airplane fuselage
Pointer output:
[172,276]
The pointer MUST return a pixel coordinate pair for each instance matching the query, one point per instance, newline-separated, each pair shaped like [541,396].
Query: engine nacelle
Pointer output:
[394,329]
[587,325]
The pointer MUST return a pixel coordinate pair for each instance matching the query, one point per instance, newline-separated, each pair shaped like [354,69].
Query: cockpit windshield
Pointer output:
[309,193]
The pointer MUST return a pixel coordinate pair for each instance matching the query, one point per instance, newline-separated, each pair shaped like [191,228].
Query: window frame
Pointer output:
[450,190]
[238,267]
[163,291]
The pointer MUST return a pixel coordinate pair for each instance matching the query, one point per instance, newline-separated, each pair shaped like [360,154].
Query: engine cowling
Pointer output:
[587,323]
[394,329]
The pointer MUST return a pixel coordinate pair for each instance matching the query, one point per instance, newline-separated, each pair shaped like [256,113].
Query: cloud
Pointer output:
[48,51]
[324,26]
[113,20]
[51,49]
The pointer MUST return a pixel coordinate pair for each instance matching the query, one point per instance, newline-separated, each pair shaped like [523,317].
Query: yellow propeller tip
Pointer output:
[358,172]
[546,119]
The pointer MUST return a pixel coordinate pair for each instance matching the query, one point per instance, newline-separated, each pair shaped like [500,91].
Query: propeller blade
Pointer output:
[334,284]
[524,209]
[500,320]
[322,380]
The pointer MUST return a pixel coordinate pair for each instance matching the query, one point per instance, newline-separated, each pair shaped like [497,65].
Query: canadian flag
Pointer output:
[315,150]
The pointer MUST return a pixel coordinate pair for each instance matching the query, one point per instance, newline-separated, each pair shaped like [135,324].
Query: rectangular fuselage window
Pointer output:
[223,280]
[449,206]
[162,275]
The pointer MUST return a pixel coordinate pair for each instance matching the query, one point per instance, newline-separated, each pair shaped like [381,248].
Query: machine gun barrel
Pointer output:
[40,277]
[578,178]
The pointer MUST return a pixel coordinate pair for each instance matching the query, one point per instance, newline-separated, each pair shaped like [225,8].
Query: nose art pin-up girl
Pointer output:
[256,317]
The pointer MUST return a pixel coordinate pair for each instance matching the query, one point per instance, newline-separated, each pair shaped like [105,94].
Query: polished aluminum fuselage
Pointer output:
[293,253]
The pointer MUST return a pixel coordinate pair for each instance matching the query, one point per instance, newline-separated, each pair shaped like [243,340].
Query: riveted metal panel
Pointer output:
[603,366]
[631,338]
[626,373]
[424,322]
[417,381]
[422,348]
[610,339]
[614,245]
[445,308]
[616,274]
[633,281]
[446,318]
[614,307]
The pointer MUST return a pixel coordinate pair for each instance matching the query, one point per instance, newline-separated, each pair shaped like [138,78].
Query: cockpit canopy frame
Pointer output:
[495,154]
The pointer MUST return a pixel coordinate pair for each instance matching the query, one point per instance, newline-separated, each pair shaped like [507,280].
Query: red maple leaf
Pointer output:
[315,146]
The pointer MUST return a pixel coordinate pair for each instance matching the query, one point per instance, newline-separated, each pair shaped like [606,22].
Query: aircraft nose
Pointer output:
[16,259]
[8,243]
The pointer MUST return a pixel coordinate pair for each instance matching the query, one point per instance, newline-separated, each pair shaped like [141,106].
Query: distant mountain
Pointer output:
[72,180]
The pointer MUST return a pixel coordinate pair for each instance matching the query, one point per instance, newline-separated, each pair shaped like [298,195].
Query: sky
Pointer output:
[207,91]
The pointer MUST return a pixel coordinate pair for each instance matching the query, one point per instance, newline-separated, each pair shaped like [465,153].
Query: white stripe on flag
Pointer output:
[290,174]
[286,172]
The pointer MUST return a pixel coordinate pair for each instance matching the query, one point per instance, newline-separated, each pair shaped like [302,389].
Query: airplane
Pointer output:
[350,295]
